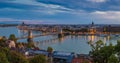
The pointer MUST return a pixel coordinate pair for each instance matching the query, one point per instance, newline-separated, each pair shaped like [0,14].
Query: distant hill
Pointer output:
[9,22]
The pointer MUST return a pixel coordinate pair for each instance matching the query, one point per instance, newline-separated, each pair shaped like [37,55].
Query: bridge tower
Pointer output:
[29,39]
[60,33]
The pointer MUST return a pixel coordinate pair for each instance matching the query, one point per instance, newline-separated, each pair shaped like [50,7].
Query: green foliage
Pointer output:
[38,59]
[67,30]
[101,52]
[117,47]
[49,49]
[11,56]
[104,29]
[3,42]
[113,59]
[83,30]
[12,37]
[30,44]
[15,57]
[85,61]
[3,58]
[4,49]
[79,30]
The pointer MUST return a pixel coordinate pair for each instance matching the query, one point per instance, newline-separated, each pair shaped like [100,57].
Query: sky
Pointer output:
[60,11]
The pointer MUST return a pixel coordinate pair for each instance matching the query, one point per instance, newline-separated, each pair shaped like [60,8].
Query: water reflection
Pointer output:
[52,40]
[71,43]
[55,40]
[104,40]
[94,38]
[22,33]
[91,38]
[61,39]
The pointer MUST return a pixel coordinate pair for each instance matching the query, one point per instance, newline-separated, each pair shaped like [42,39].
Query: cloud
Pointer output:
[6,19]
[54,6]
[60,11]
[97,1]
[38,4]
[26,21]
[107,14]
[35,6]
[103,17]
[11,9]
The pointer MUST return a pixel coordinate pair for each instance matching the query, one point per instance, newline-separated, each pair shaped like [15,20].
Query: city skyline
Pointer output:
[60,11]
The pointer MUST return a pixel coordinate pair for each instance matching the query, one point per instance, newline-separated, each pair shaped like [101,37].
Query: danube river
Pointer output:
[71,43]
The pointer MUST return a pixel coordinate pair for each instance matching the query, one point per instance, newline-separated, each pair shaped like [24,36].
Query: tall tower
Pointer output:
[23,23]
[92,24]
[92,28]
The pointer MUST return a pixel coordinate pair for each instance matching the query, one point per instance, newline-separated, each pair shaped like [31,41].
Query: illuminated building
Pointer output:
[92,29]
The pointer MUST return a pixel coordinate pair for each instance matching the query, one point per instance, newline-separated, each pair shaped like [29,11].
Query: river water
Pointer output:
[71,43]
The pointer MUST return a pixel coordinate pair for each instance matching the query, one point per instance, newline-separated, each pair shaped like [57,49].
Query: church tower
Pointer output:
[92,24]
[92,29]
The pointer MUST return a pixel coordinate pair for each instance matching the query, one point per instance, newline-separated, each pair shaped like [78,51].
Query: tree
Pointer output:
[3,58]
[4,50]
[113,59]
[117,49]
[12,37]
[15,57]
[84,30]
[38,59]
[101,52]
[30,44]
[3,42]
[49,49]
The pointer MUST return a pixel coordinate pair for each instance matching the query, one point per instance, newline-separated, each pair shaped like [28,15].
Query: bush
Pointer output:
[3,58]
[12,37]
[49,49]
[15,57]
[38,59]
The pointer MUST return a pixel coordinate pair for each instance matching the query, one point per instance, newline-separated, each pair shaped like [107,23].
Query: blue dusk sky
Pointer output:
[60,11]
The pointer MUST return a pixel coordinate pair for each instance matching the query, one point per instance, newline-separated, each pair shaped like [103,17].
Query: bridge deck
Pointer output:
[37,35]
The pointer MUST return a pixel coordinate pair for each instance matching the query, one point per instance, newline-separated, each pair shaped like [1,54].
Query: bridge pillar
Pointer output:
[29,39]
[60,34]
